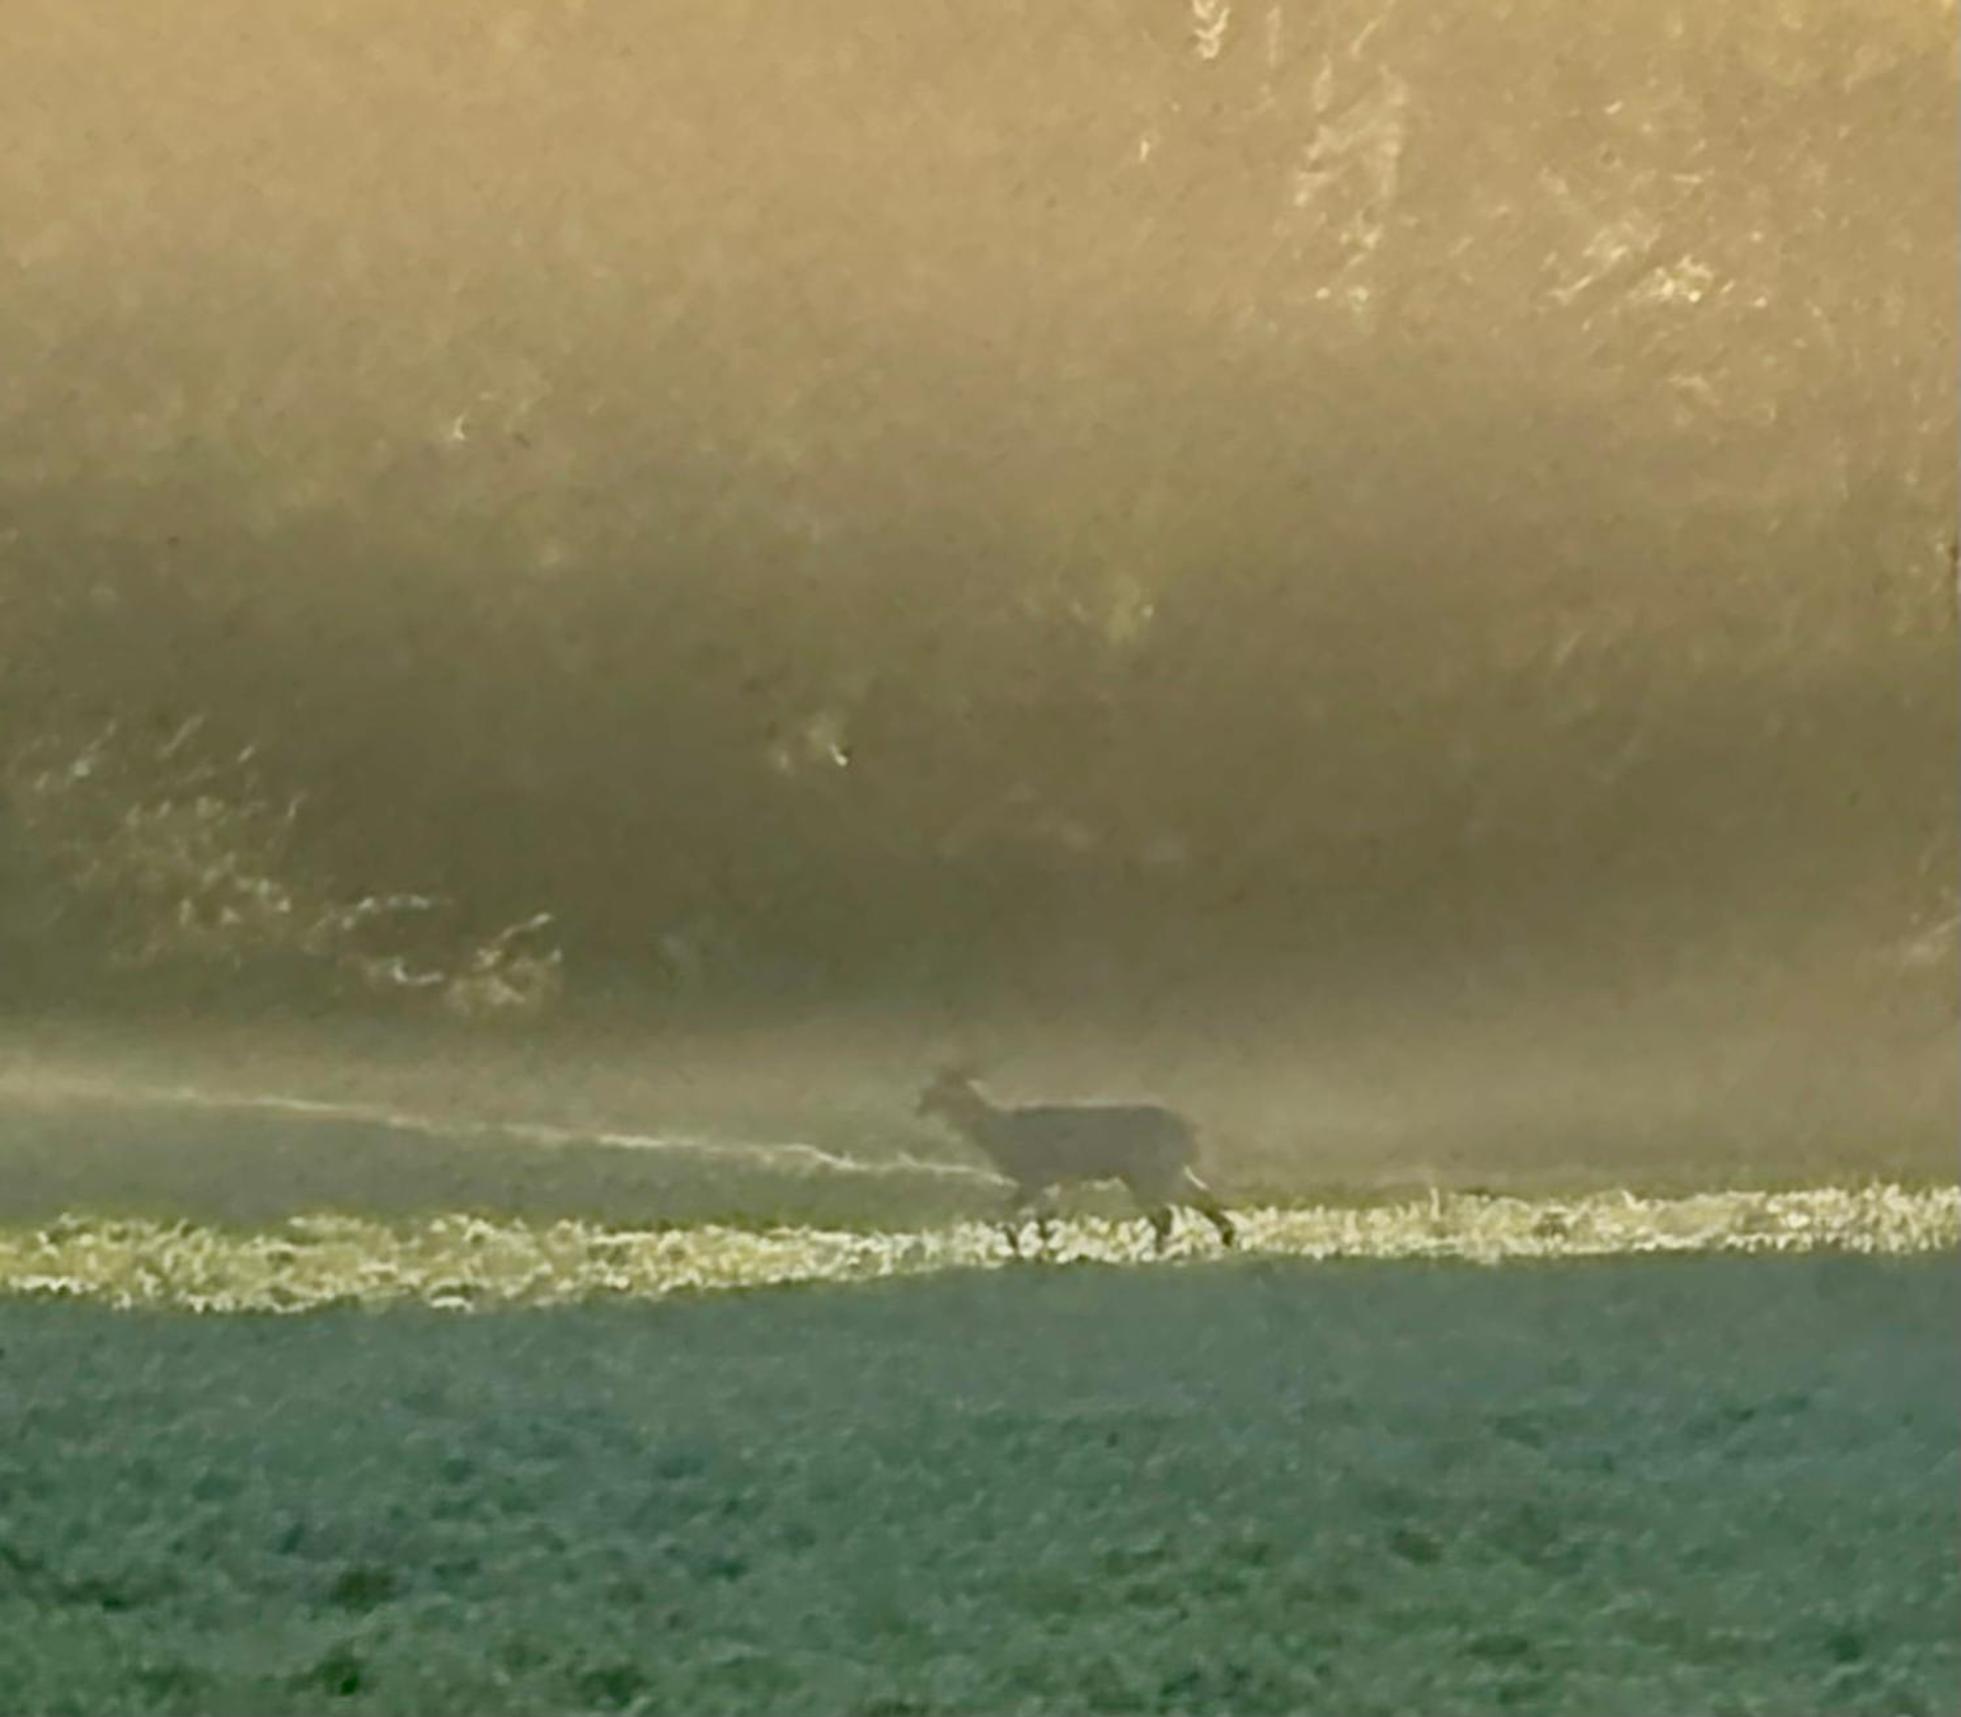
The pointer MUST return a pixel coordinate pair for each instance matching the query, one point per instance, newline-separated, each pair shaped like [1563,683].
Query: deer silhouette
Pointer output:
[1042,1146]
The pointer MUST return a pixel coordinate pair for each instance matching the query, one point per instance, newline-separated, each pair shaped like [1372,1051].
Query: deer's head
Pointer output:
[949,1092]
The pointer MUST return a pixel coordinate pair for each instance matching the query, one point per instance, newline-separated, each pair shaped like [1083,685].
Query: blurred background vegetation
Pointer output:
[1139,517]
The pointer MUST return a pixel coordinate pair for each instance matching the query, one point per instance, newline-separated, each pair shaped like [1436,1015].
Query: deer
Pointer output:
[1042,1146]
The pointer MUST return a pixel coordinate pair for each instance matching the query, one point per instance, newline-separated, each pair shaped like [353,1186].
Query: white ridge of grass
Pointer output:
[789,1154]
[461,1262]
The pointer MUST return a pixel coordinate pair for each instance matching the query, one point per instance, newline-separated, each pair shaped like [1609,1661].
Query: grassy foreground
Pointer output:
[1633,1485]
[460,1263]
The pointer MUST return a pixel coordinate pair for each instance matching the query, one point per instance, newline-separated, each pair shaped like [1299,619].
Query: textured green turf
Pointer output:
[1635,1486]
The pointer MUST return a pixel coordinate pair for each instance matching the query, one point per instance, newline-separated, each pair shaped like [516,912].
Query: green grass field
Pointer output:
[1633,1486]
[709,1389]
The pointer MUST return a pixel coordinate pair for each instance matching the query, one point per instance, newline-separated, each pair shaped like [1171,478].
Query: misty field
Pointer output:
[1715,1484]
[391,1387]
[594,597]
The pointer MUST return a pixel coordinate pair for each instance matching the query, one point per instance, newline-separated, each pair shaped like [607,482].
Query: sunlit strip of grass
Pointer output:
[463,1262]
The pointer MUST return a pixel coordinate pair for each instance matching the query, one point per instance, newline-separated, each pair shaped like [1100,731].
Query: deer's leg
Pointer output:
[1011,1219]
[1155,1198]
[1201,1198]
[1022,1201]
[1044,1203]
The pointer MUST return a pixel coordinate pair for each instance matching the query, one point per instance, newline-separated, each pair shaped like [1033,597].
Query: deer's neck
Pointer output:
[971,1112]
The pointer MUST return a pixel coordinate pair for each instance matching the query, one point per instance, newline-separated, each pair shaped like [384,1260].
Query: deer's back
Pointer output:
[1046,1142]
